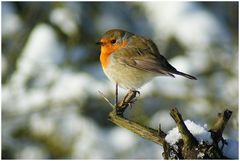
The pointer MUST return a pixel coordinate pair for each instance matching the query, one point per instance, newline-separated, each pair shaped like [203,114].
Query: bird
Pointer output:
[131,60]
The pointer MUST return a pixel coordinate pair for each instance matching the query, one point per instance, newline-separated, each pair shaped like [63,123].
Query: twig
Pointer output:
[160,132]
[220,124]
[105,98]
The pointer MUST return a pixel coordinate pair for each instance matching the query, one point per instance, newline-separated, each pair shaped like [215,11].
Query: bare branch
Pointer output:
[188,139]
[143,131]
[220,124]
[186,148]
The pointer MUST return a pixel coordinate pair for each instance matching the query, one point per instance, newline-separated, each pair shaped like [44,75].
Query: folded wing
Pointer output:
[147,58]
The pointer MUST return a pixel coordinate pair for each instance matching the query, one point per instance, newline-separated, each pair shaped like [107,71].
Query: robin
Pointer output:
[131,60]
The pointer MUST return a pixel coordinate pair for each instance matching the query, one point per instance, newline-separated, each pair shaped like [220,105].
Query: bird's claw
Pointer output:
[128,100]
[136,92]
[119,111]
[132,102]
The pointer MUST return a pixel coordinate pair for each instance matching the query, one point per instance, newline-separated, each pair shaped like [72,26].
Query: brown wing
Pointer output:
[144,55]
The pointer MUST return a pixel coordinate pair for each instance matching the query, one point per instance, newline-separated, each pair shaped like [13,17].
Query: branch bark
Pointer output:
[188,139]
[186,148]
[143,131]
[218,127]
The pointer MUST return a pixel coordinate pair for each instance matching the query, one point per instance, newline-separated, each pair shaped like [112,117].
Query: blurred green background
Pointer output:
[51,75]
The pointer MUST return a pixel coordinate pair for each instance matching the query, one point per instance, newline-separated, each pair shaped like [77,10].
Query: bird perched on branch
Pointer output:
[131,60]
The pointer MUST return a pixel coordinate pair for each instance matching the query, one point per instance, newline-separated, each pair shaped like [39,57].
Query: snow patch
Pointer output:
[199,132]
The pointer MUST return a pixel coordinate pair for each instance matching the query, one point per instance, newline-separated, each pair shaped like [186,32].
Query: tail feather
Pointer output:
[185,75]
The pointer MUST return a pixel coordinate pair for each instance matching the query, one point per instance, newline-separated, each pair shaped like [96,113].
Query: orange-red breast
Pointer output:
[131,60]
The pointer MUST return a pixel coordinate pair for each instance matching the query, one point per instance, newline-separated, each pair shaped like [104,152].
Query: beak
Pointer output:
[99,43]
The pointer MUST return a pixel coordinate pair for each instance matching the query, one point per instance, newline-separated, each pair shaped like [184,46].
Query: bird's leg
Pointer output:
[128,100]
[134,99]
[116,95]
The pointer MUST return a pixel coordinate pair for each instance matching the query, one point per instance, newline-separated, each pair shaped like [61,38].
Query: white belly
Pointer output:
[128,77]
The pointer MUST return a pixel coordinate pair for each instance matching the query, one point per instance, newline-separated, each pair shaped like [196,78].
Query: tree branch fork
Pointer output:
[186,148]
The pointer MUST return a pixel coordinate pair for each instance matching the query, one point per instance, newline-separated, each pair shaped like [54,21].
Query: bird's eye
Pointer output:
[113,41]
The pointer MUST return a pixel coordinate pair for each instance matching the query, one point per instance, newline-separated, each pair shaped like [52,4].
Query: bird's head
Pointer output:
[113,40]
